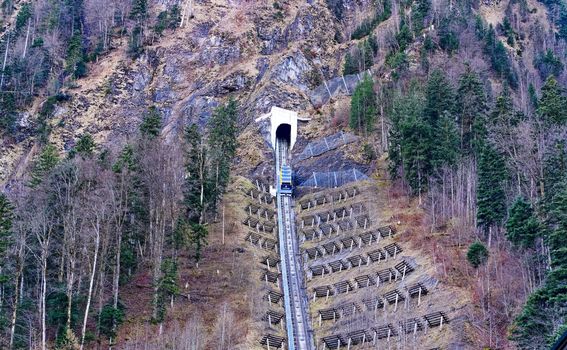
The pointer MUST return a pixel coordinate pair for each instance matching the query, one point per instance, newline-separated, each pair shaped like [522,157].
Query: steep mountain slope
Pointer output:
[306,56]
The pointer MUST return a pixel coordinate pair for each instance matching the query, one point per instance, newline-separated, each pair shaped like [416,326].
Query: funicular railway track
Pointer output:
[295,301]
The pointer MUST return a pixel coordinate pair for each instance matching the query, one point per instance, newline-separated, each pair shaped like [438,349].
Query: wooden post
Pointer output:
[419,296]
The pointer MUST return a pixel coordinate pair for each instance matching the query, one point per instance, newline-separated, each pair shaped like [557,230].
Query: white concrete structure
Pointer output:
[283,123]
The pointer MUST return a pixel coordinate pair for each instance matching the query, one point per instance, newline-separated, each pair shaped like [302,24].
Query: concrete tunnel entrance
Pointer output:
[284,132]
[283,124]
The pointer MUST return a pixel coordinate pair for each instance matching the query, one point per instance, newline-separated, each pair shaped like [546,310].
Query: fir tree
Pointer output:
[471,110]
[411,141]
[85,146]
[440,97]
[6,218]
[522,227]
[552,107]
[477,254]
[151,125]
[46,161]
[222,147]
[350,66]
[363,106]
[491,198]
[196,168]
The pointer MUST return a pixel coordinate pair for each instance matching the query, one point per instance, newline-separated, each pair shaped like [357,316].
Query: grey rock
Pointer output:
[293,71]
[220,51]
[234,82]
[336,87]
[198,109]
[262,65]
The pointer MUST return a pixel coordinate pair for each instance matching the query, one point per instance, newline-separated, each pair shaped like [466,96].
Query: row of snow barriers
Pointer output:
[261,223]
[364,289]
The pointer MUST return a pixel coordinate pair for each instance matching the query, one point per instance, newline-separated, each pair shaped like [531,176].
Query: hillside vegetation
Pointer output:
[126,131]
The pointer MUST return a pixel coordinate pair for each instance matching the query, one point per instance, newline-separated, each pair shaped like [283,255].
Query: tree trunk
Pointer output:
[91,283]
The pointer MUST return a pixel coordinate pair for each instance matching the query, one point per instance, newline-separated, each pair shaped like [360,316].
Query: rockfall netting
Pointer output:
[333,178]
[320,146]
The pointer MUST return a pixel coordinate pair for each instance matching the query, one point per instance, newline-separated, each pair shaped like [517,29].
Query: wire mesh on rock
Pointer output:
[333,178]
[325,144]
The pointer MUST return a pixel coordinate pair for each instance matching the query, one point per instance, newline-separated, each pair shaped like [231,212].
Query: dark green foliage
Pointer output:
[363,106]
[136,42]
[491,198]
[222,147]
[552,107]
[6,217]
[161,22]
[548,64]
[361,58]
[350,66]
[498,55]
[368,152]
[398,62]
[448,39]
[440,97]
[139,9]
[85,146]
[56,304]
[543,316]
[508,31]
[410,141]
[167,286]
[404,37]
[198,239]
[24,15]
[174,19]
[420,9]
[368,25]
[477,254]
[7,112]
[196,183]
[45,162]
[559,10]
[423,134]
[75,62]
[110,318]
[151,125]
[471,110]
[364,29]
[522,227]
[554,169]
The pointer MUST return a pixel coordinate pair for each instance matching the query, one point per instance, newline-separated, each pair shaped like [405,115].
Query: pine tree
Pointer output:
[522,227]
[552,107]
[439,96]
[411,141]
[198,239]
[196,193]
[45,162]
[151,125]
[350,66]
[222,148]
[477,254]
[491,198]
[363,106]
[85,146]
[471,110]
[139,9]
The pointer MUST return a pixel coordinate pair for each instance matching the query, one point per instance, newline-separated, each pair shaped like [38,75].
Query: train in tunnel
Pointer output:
[286,184]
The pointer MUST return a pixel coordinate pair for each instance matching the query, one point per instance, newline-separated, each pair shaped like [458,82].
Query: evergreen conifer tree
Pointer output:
[471,110]
[363,106]
[522,227]
[46,161]
[552,107]
[491,198]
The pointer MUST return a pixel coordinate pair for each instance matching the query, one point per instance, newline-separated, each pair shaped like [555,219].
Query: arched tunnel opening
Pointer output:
[283,132]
